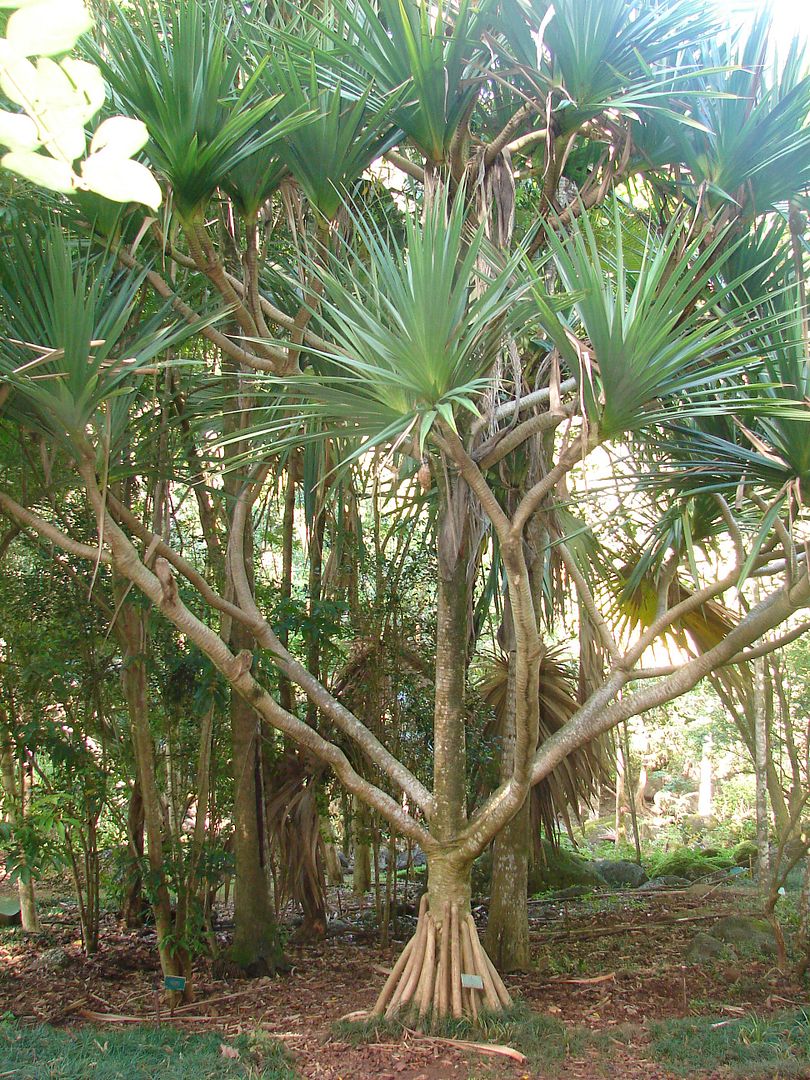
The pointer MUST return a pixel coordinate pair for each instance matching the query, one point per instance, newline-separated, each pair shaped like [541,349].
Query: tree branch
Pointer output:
[535,495]
[164,289]
[587,600]
[502,443]
[161,588]
[340,716]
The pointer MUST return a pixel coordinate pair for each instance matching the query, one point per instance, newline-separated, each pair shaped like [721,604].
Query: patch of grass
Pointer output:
[551,962]
[137,1052]
[689,863]
[543,1039]
[605,903]
[773,1046]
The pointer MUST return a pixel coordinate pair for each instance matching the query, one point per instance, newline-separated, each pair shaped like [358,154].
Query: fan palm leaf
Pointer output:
[348,131]
[754,146]
[610,54]
[436,52]
[416,327]
[575,781]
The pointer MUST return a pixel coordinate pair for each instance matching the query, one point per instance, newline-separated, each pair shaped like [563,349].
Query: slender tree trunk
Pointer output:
[285,688]
[334,871]
[132,908]
[188,889]
[760,766]
[743,715]
[804,923]
[620,791]
[256,947]
[705,795]
[132,628]
[450,750]
[427,977]
[361,874]
[316,539]
[15,810]
[630,788]
[507,937]
[29,915]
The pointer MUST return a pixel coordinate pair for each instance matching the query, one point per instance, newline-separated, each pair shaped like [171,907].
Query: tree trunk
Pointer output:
[256,947]
[803,942]
[131,625]
[507,937]
[334,871]
[760,765]
[132,908]
[705,793]
[630,788]
[443,971]
[285,689]
[361,874]
[621,806]
[15,810]
[449,716]
[29,916]
[427,977]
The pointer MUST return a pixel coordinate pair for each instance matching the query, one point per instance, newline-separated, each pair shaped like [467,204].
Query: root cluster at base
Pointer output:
[427,976]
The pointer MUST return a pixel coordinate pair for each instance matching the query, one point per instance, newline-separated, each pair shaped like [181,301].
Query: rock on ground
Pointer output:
[621,873]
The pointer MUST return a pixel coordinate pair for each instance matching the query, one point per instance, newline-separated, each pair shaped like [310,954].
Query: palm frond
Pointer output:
[416,329]
[68,351]
[575,781]
[434,50]
[649,341]
[173,65]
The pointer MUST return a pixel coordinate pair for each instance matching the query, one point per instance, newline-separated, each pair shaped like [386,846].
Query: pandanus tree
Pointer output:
[517,325]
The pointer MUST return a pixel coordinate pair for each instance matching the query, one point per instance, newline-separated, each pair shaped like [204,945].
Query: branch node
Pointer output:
[168,586]
[240,664]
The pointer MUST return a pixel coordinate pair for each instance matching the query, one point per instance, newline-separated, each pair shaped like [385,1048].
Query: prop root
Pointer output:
[427,977]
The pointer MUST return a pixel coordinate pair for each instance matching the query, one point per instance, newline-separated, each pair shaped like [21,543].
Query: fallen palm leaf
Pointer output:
[492,1049]
[587,982]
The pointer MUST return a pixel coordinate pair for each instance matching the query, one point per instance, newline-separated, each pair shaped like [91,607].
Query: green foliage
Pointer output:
[143,1051]
[598,58]
[349,130]
[754,148]
[657,351]
[689,863]
[418,327]
[754,1046]
[176,67]
[542,1038]
[72,355]
[429,50]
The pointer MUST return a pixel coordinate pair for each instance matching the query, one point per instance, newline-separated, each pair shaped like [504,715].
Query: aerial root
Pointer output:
[427,976]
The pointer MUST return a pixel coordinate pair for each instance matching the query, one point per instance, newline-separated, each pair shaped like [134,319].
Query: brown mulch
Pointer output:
[605,983]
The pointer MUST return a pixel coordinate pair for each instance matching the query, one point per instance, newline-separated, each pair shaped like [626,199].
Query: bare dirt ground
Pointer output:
[604,968]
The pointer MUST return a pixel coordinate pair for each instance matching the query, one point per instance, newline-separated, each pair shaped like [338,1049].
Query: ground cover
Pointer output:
[612,993]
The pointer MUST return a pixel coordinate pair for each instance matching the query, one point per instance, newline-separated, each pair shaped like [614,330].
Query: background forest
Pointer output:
[403,471]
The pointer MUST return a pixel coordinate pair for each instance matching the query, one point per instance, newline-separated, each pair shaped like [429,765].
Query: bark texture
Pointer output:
[507,937]
[444,970]
[256,947]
